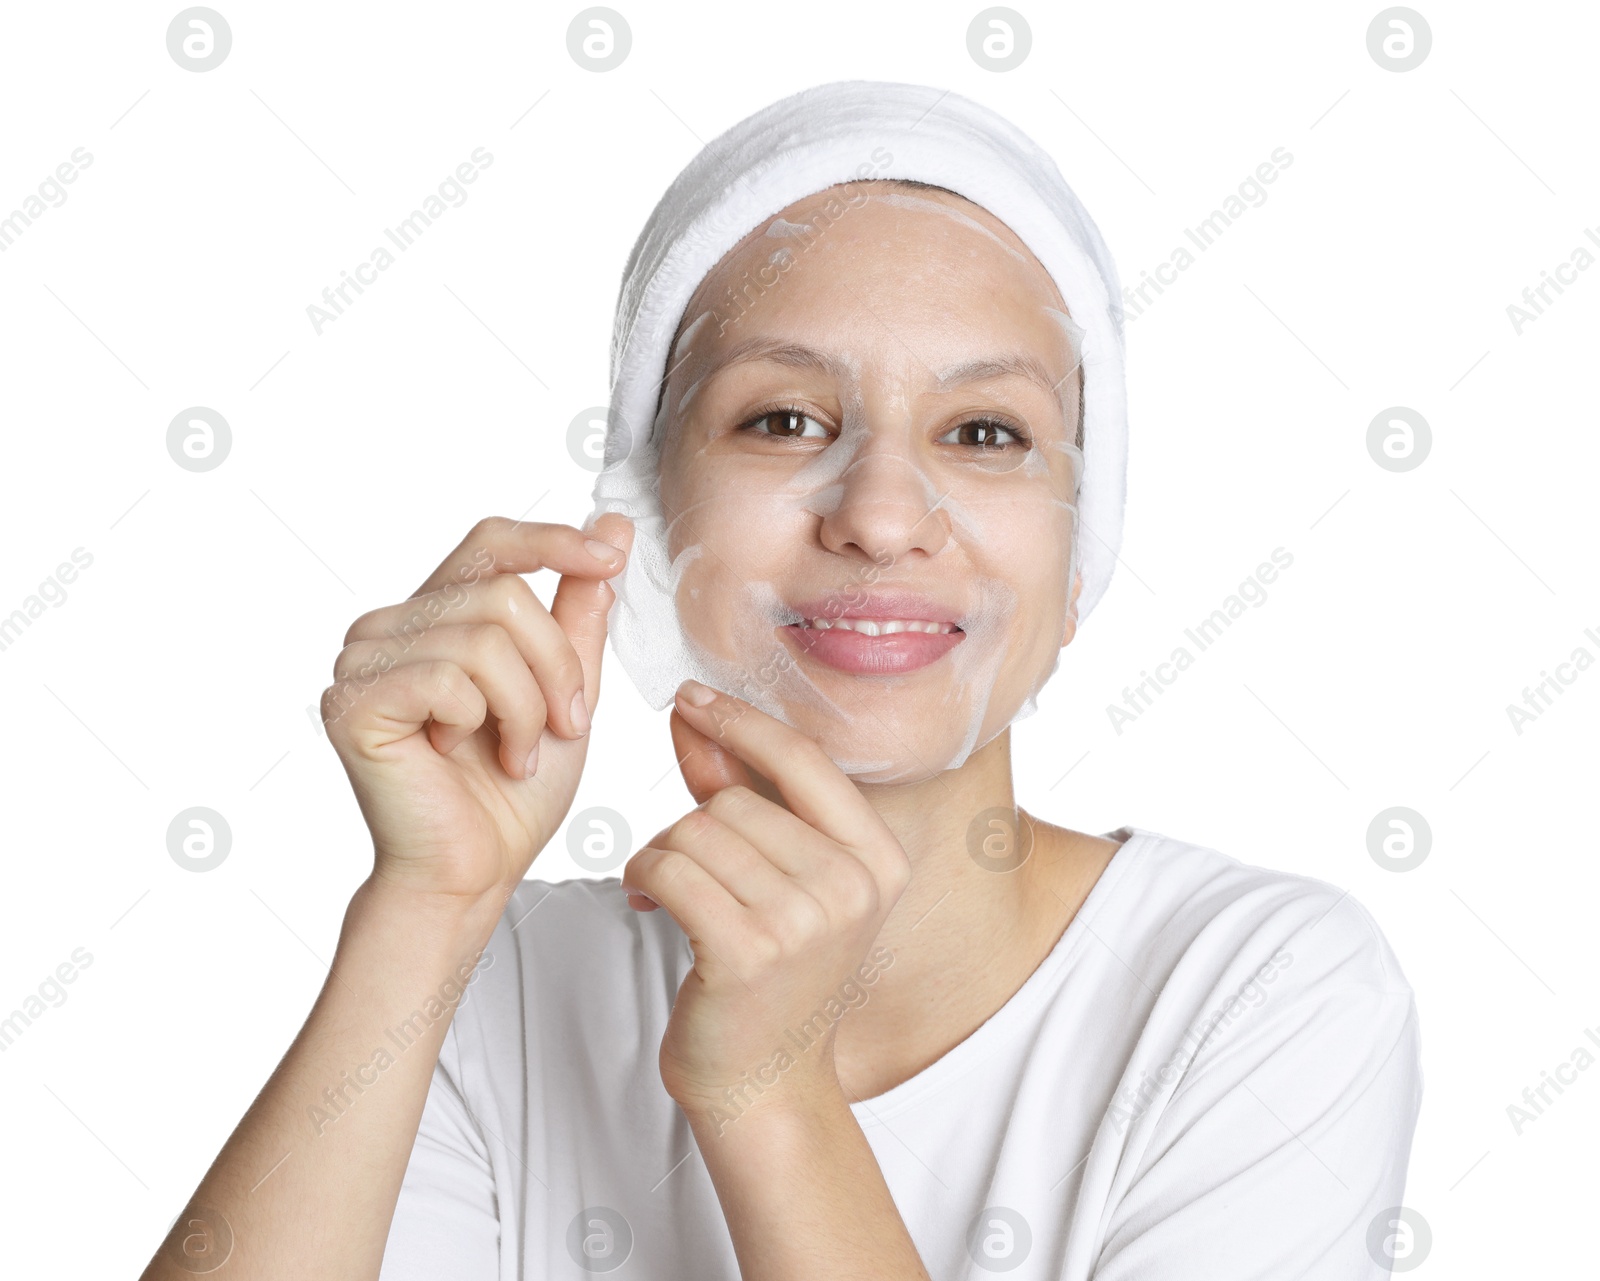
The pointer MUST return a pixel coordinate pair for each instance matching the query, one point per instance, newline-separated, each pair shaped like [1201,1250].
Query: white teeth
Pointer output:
[881,627]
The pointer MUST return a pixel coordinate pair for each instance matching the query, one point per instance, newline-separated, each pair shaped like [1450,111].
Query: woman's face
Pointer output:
[869,425]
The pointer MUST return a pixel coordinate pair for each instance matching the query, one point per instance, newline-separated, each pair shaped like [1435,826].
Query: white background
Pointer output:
[179,669]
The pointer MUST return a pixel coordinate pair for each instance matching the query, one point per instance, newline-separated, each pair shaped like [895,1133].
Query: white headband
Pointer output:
[799,146]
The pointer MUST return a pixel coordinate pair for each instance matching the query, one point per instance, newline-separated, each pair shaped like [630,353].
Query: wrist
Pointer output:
[428,920]
[784,1106]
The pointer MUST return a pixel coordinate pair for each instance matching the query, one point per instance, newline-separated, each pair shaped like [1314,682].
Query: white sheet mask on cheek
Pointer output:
[707,592]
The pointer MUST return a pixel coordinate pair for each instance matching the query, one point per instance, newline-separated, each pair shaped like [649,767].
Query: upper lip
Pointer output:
[852,603]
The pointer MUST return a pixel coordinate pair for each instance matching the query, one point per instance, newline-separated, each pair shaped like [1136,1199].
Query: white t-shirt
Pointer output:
[1090,1129]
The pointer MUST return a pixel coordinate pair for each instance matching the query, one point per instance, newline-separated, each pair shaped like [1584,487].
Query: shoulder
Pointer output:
[1246,960]
[1202,903]
[1277,1071]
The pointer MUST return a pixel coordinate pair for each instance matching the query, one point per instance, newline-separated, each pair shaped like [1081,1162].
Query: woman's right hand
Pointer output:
[454,715]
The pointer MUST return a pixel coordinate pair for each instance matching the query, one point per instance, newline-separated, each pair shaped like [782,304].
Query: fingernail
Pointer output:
[602,551]
[696,694]
[533,759]
[580,713]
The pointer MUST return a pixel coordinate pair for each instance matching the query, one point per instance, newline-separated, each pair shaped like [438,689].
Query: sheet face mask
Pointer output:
[715,590]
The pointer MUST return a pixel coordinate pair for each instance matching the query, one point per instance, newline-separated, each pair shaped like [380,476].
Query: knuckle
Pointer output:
[445,677]
[508,593]
[801,922]
[900,871]
[338,703]
[479,543]
[669,865]
[359,628]
[694,825]
[731,802]
[332,705]
[488,527]
[567,670]
[360,659]
[558,669]
[766,947]
[855,890]
[486,641]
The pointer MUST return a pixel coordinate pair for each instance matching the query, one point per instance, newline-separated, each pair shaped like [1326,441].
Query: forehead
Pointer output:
[877,248]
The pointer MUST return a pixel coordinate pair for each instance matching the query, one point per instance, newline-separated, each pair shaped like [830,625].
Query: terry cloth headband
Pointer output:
[798,146]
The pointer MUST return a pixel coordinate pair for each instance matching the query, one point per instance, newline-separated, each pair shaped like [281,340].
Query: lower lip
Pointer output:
[851,651]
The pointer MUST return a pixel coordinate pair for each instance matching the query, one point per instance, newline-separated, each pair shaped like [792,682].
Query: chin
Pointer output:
[874,740]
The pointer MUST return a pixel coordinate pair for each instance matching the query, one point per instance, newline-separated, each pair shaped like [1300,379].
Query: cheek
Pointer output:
[731,520]
[1028,548]
[1026,527]
[734,553]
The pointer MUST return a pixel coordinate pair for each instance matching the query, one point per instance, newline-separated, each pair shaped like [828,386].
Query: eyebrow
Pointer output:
[800,356]
[1018,366]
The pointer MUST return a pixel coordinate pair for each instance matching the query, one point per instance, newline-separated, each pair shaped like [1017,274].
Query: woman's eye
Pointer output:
[986,434]
[785,424]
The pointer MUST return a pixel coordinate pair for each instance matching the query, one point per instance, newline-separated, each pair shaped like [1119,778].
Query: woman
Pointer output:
[857,1013]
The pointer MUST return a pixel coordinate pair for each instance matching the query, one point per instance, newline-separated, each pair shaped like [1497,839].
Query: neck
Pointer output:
[991,891]
[975,880]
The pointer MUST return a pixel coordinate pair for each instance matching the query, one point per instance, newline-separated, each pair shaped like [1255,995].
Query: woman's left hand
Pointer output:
[780,905]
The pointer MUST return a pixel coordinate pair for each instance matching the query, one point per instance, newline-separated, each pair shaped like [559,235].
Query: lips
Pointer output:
[883,633]
[906,606]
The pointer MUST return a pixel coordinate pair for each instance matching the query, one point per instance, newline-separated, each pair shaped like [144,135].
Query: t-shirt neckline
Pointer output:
[996,1030]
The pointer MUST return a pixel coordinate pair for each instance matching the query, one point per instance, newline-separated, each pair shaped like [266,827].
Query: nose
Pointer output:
[884,506]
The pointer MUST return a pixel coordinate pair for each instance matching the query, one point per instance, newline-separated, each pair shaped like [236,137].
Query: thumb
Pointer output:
[580,605]
[707,767]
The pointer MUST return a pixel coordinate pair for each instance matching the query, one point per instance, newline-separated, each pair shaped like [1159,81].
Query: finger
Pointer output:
[491,659]
[812,786]
[787,841]
[507,601]
[499,545]
[705,766]
[403,700]
[582,606]
[705,911]
[739,867]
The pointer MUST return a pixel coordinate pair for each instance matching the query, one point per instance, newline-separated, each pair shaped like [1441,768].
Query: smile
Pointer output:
[879,626]
[873,646]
